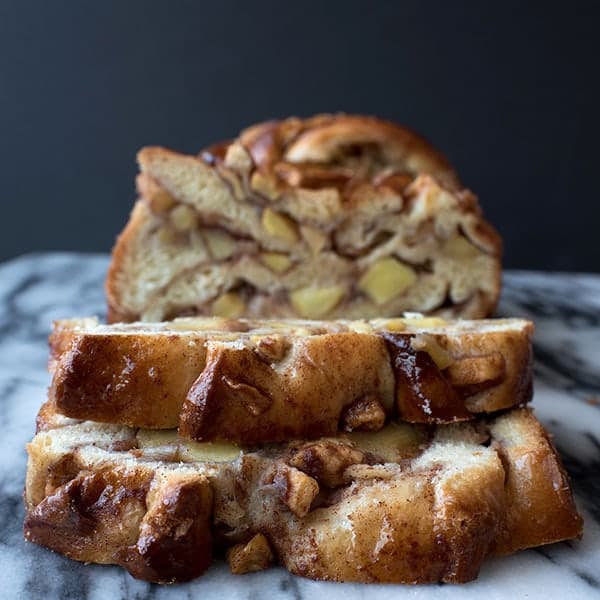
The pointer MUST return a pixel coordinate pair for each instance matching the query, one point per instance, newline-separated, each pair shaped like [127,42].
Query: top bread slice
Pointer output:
[406,504]
[334,216]
[255,381]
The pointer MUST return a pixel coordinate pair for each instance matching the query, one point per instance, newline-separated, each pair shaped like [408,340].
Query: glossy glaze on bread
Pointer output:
[261,381]
[408,504]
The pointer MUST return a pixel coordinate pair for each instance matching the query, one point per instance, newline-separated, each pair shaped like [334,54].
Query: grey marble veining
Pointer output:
[36,289]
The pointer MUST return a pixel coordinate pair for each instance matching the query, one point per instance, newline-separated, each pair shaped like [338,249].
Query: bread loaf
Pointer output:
[334,216]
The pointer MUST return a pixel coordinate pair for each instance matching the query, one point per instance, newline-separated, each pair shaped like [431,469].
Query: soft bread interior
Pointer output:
[357,231]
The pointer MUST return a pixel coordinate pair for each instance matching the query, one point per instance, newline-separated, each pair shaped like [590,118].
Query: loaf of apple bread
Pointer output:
[333,216]
[409,503]
[256,381]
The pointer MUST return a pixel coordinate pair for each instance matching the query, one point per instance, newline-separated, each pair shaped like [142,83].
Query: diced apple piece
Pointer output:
[409,322]
[183,218]
[276,261]
[460,248]
[395,325]
[220,245]
[315,238]
[150,438]
[189,451]
[386,279]
[392,443]
[360,326]
[279,226]
[427,343]
[208,451]
[314,303]
[229,305]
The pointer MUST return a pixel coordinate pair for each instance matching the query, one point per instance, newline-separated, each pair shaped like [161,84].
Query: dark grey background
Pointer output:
[509,91]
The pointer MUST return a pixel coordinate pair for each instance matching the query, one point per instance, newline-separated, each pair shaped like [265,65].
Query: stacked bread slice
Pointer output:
[213,417]
[394,450]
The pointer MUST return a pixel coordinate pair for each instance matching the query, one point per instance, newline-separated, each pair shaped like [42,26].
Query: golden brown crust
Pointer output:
[327,510]
[242,397]
[158,528]
[540,500]
[61,337]
[259,381]
[125,379]
[79,521]
[118,269]
[334,140]
[329,196]
[175,539]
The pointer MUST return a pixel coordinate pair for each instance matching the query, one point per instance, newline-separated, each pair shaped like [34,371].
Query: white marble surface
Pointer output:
[36,289]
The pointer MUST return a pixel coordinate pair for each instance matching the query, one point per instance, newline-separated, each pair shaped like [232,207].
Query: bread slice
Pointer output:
[256,381]
[408,504]
[334,216]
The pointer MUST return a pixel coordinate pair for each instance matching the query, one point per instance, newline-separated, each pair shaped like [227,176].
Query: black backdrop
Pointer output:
[508,90]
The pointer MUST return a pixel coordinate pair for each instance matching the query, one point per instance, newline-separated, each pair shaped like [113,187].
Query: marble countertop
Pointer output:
[36,289]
